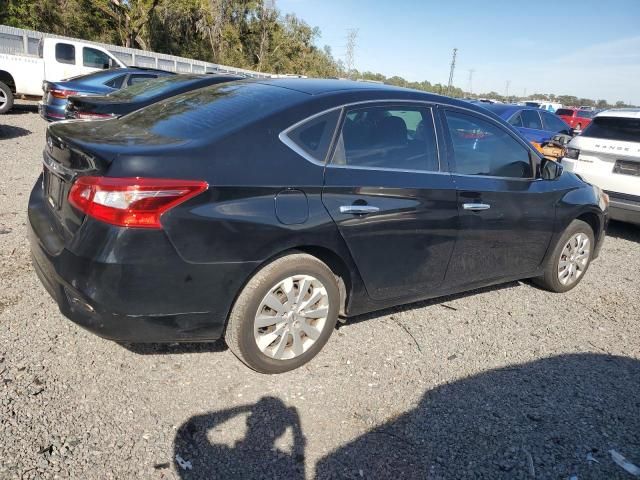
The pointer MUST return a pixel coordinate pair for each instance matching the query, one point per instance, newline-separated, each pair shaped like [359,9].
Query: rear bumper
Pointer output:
[141,292]
[51,113]
[623,207]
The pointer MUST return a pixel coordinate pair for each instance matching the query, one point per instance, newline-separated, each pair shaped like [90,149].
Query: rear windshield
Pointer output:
[153,87]
[614,128]
[209,112]
[586,114]
[564,111]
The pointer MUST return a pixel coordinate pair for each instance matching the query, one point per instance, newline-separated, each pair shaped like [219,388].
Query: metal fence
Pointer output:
[18,41]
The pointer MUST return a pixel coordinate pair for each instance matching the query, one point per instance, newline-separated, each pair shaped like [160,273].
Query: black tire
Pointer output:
[550,280]
[239,334]
[6,91]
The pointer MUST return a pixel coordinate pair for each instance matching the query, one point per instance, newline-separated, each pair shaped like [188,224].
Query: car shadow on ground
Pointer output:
[624,231]
[9,131]
[20,108]
[557,417]
[175,348]
[428,303]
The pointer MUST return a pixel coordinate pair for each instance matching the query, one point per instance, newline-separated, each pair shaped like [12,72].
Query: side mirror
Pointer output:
[550,169]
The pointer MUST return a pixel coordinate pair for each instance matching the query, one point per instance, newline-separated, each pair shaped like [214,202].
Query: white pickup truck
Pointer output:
[22,75]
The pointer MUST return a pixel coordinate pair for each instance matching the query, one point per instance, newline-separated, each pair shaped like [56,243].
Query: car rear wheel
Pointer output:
[284,315]
[570,259]
[6,98]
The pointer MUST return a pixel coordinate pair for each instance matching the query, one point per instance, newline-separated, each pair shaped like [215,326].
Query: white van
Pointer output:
[607,154]
[23,75]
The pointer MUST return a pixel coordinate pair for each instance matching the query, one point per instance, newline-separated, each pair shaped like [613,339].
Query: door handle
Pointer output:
[359,209]
[476,207]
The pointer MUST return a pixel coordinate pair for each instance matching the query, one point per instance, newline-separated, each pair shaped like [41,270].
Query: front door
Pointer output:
[394,205]
[506,213]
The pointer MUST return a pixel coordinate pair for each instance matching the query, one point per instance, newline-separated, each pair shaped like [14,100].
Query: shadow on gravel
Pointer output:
[625,231]
[19,108]
[9,131]
[428,303]
[175,348]
[553,418]
[255,456]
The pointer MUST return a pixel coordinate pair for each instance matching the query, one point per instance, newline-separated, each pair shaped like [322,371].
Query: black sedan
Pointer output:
[139,95]
[259,211]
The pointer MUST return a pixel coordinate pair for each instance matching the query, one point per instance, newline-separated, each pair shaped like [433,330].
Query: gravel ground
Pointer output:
[507,382]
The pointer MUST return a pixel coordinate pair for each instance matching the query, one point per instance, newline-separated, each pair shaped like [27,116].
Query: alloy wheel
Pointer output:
[3,98]
[574,259]
[291,317]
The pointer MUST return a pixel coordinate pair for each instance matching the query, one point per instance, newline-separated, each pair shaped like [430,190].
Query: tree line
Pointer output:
[251,34]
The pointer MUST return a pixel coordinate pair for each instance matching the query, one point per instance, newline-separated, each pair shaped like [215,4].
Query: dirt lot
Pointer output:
[508,382]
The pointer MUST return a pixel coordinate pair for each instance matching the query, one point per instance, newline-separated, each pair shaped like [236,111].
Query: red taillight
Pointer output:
[92,115]
[131,202]
[61,93]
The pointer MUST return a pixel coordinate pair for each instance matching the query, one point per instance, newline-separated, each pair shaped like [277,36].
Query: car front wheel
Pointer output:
[284,315]
[6,98]
[570,259]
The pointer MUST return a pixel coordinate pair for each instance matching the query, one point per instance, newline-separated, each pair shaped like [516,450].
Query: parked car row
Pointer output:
[260,211]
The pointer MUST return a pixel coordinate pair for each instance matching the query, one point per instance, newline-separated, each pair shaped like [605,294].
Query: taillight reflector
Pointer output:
[92,115]
[131,202]
[61,93]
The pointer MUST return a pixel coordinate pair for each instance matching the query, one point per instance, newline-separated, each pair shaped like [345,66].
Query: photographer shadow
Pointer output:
[255,456]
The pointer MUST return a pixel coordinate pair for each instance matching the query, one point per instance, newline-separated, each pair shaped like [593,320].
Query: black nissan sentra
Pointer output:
[260,211]
[138,95]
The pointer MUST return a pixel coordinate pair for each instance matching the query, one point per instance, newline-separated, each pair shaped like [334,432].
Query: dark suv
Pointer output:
[259,211]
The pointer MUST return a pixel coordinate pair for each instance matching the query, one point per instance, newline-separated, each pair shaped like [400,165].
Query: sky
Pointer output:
[587,48]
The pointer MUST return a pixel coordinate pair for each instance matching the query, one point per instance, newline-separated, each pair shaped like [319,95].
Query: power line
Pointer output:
[453,67]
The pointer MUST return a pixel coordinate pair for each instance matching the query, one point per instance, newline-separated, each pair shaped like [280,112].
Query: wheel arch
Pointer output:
[591,219]
[7,79]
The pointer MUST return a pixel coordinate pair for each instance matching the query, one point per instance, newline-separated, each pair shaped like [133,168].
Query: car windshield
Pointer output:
[614,128]
[154,87]
[498,109]
[564,111]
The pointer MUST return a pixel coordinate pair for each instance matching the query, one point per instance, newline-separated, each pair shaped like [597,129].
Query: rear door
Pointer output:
[532,127]
[506,215]
[392,200]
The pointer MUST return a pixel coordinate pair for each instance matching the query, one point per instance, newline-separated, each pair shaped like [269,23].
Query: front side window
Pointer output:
[314,136]
[531,119]
[516,120]
[65,53]
[395,137]
[94,58]
[553,123]
[483,148]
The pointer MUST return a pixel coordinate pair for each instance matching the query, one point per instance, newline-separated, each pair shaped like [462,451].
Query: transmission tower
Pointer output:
[471,72]
[453,67]
[352,35]
[506,90]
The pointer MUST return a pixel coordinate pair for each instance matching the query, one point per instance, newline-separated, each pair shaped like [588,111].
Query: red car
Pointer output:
[575,117]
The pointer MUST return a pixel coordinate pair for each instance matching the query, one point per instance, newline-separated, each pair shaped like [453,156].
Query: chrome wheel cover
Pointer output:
[291,317]
[574,259]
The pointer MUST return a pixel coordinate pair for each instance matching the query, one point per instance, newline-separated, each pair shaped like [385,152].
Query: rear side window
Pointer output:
[564,111]
[396,138]
[614,128]
[482,148]
[553,123]
[137,78]
[65,53]
[516,120]
[531,119]
[116,82]
[94,58]
[314,136]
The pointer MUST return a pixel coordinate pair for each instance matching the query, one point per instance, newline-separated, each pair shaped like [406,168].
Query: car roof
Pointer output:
[319,86]
[620,113]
